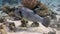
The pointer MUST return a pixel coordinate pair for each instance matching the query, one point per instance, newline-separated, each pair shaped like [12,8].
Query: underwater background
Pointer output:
[54,5]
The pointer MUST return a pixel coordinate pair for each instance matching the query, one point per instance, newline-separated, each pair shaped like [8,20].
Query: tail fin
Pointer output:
[46,21]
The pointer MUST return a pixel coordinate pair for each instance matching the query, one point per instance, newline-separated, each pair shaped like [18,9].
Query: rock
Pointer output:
[53,16]
[34,24]
[24,23]
[2,29]
[52,30]
[6,9]
[29,3]
[1,20]
[52,33]
[43,12]
[12,26]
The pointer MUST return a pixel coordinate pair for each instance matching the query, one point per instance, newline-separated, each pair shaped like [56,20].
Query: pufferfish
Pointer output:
[30,15]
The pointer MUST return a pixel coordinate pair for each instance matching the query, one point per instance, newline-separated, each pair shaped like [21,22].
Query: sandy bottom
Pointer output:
[32,30]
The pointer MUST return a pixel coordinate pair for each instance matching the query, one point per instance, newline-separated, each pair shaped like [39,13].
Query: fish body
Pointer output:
[28,14]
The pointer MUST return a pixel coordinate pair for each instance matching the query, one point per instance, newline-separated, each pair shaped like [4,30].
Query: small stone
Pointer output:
[35,24]
[51,32]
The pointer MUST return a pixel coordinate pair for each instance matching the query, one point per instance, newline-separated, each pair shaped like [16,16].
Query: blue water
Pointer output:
[53,4]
